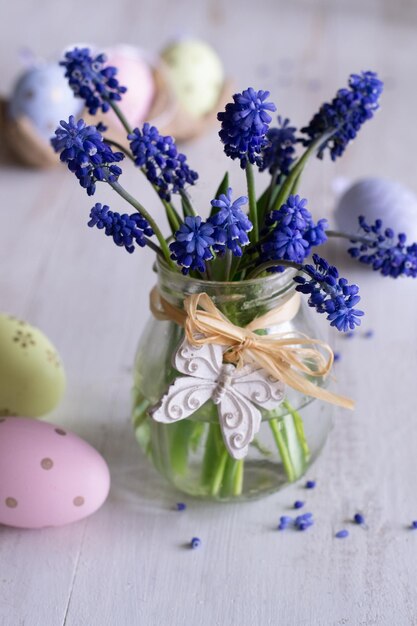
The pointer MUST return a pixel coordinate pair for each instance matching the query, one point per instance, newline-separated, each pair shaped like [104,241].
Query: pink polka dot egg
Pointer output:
[48,475]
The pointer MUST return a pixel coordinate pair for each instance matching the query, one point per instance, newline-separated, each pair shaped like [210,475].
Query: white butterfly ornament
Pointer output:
[235,391]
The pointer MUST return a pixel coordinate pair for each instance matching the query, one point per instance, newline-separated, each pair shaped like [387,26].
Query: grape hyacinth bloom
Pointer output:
[158,157]
[330,294]
[244,124]
[384,252]
[91,80]
[293,234]
[346,113]
[124,229]
[279,153]
[192,246]
[231,224]
[87,155]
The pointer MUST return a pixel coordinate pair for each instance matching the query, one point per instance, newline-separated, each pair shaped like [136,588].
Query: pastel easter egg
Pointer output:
[196,73]
[378,198]
[135,73]
[48,475]
[32,378]
[42,94]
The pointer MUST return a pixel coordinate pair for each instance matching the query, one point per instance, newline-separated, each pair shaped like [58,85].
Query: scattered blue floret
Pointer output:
[341,534]
[337,356]
[181,506]
[195,543]
[368,334]
[301,522]
[358,518]
[310,484]
[414,524]
[298,504]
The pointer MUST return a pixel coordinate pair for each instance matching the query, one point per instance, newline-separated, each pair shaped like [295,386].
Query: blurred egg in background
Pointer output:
[32,378]
[42,95]
[135,73]
[378,198]
[196,73]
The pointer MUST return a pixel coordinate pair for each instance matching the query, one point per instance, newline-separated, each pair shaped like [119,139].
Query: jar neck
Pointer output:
[241,301]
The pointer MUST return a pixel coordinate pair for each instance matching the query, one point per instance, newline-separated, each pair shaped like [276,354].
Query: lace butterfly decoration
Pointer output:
[237,392]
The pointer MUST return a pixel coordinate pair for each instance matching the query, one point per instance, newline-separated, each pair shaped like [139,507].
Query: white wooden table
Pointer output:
[127,564]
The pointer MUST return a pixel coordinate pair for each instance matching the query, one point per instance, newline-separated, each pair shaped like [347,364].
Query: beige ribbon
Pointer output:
[287,357]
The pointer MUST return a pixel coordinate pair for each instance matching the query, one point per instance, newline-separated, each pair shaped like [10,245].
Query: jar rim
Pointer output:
[284,277]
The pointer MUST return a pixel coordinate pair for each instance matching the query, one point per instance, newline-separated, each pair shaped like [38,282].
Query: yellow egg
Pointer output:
[196,73]
[32,378]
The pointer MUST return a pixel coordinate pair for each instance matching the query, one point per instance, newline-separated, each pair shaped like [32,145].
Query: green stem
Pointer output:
[275,426]
[121,116]
[137,205]
[228,265]
[171,215]
[253,214]
[187,203]
[297,169]
[349,236]
[299,428]
[219,473]
[238,482]
[153,247]
[116,144]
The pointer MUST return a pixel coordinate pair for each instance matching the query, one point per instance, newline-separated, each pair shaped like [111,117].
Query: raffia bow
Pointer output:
[291,358]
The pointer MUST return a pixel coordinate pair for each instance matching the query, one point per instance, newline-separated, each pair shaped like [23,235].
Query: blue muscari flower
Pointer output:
[87,155]
[244,124]
[160,160]
[294,232]
[91,80]
[384,252]
[330,294]
[316,233]
[192,246]
[126,230]
[345,114]
[231,224]
[278,153]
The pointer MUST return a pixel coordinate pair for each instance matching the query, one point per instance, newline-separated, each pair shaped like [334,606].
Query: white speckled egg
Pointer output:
[378,198]
[32,378]
[43,95]
[196,73]
[135,73]
[48,476]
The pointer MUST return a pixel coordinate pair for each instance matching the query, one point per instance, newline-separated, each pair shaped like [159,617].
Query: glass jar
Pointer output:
[191,453]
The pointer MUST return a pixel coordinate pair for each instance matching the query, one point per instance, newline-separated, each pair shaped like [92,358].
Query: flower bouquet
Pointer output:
[229,366]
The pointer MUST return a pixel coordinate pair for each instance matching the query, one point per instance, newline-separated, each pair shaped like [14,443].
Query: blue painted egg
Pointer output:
[43,95]
[378,198]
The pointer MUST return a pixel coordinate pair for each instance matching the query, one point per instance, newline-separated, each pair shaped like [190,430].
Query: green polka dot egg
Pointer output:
[32,378]
[196,74]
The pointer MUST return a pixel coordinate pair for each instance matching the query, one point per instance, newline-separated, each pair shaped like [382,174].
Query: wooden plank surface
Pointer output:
[127,564]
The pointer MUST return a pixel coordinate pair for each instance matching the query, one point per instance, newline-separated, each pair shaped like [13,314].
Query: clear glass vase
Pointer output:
[191,453]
